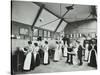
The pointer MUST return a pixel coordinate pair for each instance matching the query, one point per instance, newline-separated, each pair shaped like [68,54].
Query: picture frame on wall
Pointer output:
[23,31]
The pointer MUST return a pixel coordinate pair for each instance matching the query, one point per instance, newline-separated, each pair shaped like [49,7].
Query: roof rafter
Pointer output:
[37,16]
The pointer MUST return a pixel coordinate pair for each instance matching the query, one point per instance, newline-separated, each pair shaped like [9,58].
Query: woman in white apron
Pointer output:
[56,54]
[86,52]
[60,50]
[29,57]
[75,58]
[65,49]
[36,55]
[46,56]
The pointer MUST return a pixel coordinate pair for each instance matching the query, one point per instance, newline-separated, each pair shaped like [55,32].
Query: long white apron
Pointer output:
[56,54]
[60,51]
[35,56]
[35,52]
[27,62]
[45,57]
[75,58]
[46,54]
[65,50]
[86,52]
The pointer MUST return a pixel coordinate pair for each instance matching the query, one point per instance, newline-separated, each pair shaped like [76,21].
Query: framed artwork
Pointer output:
[24,31]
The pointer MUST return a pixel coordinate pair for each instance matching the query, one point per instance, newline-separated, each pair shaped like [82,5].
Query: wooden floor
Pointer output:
[60,66]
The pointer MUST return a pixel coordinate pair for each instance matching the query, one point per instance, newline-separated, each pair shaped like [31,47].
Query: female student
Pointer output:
[56,54]
[86,46]
[65,49]
[93,53]
[79,53]
[29,60]
[60,49]
[75,58]
[70,54]
[46,55]
[36,55]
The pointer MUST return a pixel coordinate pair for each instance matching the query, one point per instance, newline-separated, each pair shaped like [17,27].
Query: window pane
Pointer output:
[35,32]
[48,34]
[40,32]
[45,33]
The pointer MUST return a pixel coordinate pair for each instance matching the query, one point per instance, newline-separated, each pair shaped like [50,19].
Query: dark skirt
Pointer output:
[37,62]
[41,53]
[32,63]
[93,62]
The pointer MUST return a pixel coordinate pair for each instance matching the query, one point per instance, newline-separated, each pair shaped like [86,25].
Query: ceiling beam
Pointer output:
[37,16]
[85,20]
[62,19]
[58,25]
[39,4]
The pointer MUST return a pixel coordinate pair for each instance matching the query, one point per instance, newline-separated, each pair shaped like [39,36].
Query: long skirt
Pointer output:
[65,51]
[46,58]
[92,58]
[60,53]
[86,54]
[36,59]
[56,55]
[75,60]
[29,62]
[35,55]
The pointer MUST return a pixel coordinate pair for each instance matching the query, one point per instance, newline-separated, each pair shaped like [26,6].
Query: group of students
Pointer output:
[32,55]
[81,50]
[77,51]
[74,52]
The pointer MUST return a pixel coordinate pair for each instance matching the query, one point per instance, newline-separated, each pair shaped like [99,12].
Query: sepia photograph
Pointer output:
[48,37]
